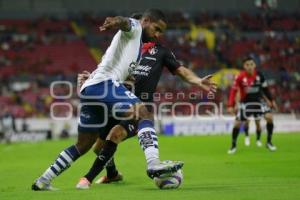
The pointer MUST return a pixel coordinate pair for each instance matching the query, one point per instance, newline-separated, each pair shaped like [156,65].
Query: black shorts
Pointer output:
[255,109]
[104,131]
[130,126]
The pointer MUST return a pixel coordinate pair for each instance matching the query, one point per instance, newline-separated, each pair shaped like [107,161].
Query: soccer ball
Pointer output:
[169,181]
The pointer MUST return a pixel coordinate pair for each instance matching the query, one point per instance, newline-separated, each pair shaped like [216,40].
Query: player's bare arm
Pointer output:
[190,77]
[117,22]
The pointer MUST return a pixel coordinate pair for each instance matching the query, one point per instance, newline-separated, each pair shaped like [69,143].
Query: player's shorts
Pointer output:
[97,102]
[255,109]
[131,126]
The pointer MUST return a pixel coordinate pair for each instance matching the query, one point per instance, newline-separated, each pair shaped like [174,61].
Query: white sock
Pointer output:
[149,144]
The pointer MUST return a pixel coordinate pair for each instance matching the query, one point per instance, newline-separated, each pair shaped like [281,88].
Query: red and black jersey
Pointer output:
[252,87]
[147,73]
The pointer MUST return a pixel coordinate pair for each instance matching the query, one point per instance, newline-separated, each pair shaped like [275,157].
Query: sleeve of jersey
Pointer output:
[171,62]
[233,91]
[135,28]
[265,88]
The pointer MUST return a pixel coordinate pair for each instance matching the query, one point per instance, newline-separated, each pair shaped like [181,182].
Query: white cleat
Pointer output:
[258,143]
[271,147]
[164,167]
[247,141]
[83,184]
[231,151]
[42,184]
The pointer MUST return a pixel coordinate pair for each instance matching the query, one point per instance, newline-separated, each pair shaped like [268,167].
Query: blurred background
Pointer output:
[45,41]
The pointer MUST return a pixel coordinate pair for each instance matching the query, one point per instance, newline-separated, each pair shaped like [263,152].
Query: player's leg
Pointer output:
[112,174]
[91,118]
[146,133]
[64,160]
[116,135]
[234,136]
[258,132]
[270,126]
[246,129]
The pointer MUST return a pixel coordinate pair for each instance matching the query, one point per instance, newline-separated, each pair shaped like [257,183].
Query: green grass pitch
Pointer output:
[209,173]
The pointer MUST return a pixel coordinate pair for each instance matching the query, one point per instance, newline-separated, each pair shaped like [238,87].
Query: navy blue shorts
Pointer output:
[97,102]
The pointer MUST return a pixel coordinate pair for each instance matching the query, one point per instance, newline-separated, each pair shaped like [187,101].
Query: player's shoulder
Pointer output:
[134,22]
[161,47]
[259,73]
[241,75]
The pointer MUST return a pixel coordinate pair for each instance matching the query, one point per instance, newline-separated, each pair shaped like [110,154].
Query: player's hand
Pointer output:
[231,110]
[207,84]
[110,23]
[82,77]
[129,82]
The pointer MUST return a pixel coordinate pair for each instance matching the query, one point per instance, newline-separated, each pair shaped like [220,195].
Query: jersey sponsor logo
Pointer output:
[153,50]
[142,70]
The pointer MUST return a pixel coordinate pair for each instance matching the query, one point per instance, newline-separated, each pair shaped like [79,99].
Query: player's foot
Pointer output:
[106,180]
[258,143]
[42,184]
[271,147]
[232,150]
[164,168]
[247,141]
[83,184]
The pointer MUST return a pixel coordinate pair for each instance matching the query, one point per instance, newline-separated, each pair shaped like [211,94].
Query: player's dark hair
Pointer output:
[247,58]
[155,15]
[137,15]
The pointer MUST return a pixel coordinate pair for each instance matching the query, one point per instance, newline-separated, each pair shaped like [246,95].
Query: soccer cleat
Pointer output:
[83,184]
[247,141]
[258,143]
[106,180]
[42,184]
[271,147]
[232,150]
[164,167]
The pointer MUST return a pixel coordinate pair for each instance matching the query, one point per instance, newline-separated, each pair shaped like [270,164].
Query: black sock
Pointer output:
[270,127]
[246,130]
[103,157]
[235,133]
[258,134]
[111,169]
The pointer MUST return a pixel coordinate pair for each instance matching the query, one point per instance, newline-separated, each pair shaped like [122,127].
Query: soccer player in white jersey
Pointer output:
[102,94]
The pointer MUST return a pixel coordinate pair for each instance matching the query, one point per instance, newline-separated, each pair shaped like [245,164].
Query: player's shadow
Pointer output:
[200,188]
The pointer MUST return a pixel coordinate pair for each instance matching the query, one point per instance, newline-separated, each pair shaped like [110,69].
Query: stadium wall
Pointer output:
[171,126]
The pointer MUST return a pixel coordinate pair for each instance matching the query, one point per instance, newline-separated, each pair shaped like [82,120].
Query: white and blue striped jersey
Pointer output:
[124,50]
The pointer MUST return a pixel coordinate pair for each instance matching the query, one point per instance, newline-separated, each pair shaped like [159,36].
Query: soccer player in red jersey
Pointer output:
[253,88]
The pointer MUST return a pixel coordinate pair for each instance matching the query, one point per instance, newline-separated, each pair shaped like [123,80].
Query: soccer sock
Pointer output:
[64,161]
[148,141]
[106,153]
[246,131]
[111,168]
[258,134]
[235,133]
[270,127]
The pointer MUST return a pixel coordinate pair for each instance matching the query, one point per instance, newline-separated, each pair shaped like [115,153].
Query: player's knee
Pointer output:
[143,112]
[269,118]
[85,142]
[117,134]
[237,124]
